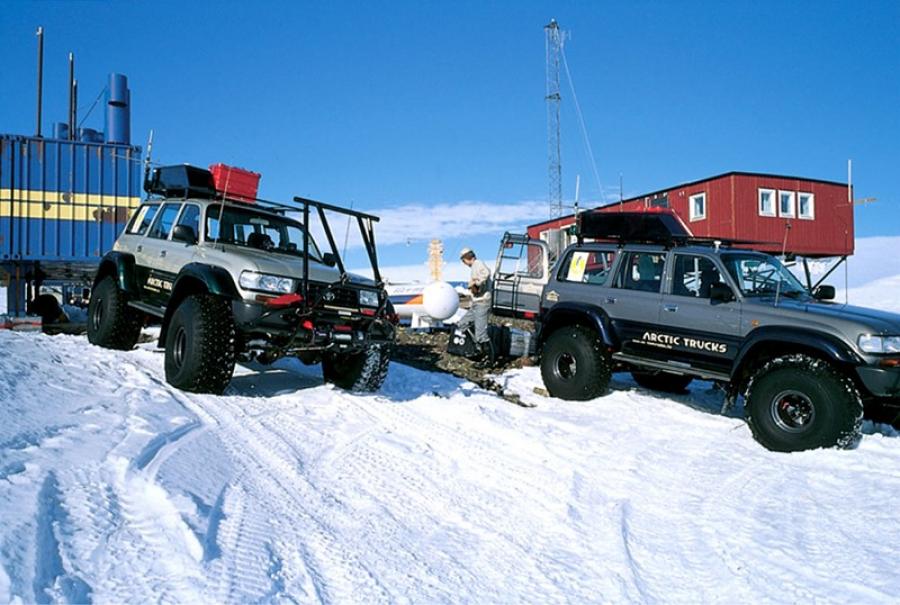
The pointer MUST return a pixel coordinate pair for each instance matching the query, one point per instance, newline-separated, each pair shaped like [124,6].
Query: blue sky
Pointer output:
[421,106]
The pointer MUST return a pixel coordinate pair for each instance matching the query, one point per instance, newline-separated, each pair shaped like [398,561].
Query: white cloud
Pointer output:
[417,222]
[401,274]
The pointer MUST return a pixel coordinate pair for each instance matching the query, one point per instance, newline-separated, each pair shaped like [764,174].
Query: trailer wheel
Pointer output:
[200,345]
[574,365]
[359,372]
[112,324]
[798,402]
[661,381]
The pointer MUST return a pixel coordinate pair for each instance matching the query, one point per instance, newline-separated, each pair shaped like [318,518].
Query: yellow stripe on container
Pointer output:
[23,203]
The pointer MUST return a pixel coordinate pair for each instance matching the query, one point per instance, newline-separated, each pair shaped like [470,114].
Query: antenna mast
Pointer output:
[553,46]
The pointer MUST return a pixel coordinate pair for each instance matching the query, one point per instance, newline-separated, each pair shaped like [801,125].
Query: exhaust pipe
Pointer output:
[118,110]
[71,96]
[40,77]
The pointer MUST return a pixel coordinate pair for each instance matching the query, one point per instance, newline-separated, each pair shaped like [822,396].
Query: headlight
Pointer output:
[879,344]
[251,280]
[368,298]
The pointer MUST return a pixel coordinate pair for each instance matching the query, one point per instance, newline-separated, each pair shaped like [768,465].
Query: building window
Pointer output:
[697,207]
[806,203]
[767,202]
[786,202]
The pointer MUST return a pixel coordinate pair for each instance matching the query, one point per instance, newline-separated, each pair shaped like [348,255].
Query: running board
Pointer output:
[148,309]
[675,368]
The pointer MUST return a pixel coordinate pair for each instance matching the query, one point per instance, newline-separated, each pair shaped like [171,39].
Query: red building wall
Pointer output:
[732,212]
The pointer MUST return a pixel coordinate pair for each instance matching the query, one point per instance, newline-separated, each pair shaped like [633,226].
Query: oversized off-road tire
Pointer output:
[798,402]
[359,372]
[200,345]
[575,365]
[661,381]
[112,324]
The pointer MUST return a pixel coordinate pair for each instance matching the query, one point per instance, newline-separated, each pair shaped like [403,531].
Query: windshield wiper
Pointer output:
[794,294]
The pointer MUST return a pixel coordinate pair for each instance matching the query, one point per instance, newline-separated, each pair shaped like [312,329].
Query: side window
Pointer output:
[694,276]
[641,271]
[190,217]
[212,224]
[164,221]
[587,267]
[142,219]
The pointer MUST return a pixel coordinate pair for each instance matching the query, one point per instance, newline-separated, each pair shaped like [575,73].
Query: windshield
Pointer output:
[245,227]
[762,275]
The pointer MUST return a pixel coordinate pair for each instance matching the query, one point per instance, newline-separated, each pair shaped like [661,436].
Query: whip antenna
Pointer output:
[787,230]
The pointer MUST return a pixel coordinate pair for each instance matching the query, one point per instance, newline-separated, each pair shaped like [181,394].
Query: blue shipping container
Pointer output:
[64,201]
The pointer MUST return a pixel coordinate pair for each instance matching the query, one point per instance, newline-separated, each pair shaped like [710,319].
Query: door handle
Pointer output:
[162,253]
[671,308]
[140,248]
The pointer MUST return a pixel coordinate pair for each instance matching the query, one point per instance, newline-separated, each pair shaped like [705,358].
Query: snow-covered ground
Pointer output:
[115,487]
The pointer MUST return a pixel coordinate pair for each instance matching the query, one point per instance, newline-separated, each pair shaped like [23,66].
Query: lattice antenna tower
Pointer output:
[436,259]
[554,41]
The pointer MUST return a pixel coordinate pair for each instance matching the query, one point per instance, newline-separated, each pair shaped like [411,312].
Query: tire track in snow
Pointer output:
[488,502]
[268,468]
[51,580]
[239,575]
[161,447]
[823,537]
[687,546]
[85,545]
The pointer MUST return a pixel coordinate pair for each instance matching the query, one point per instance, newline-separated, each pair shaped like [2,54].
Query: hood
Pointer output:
[240,258]
[882,321]
[872,320]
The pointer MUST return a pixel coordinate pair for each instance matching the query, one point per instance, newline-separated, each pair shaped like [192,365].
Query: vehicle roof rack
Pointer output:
[661,226]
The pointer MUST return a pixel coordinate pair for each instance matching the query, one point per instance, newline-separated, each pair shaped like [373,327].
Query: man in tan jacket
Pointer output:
[480,287]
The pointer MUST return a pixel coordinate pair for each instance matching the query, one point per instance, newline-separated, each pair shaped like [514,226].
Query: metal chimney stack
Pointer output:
[71,96]
[118,110]
[40,77]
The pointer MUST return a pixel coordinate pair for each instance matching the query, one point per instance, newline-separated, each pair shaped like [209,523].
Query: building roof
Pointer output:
[697,182]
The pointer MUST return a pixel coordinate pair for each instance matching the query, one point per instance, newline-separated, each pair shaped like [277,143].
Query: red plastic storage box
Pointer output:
[235,183]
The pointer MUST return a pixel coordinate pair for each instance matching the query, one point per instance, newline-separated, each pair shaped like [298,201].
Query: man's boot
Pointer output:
[485,355]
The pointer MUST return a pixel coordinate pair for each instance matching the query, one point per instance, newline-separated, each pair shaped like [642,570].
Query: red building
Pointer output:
[749,207]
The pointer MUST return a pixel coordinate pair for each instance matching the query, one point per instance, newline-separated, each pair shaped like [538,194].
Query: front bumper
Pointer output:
[292,328]
[880,382]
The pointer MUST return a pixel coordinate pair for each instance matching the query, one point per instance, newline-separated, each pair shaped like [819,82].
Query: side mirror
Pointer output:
[721,293]
[824,293]
[185,234]
[329,259]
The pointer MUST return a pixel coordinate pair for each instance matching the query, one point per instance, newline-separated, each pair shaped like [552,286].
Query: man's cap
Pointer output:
[466,252]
